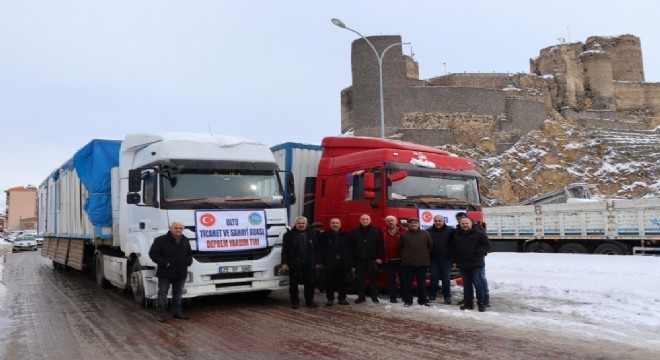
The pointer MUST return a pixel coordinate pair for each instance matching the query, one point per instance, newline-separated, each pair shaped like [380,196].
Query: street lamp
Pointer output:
[380,69]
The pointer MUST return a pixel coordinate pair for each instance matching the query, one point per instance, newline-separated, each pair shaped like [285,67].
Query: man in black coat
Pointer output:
[441,234]
[172,253]
[337,260]
[470,247]
[368,252]
[300,257]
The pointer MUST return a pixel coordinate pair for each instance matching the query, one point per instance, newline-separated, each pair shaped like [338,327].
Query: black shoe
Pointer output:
[295,306]
[467,307]
[360,300]
[312,304]
[482,307]
[487,301]
[330,302]
[160,317]
[427,304]
[375,300]
[407,304]
[448,300]
[432,299]
[461,302]
[181,316]
[343,302]
[393,300]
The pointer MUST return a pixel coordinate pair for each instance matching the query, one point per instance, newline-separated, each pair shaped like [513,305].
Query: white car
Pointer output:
[39,239]
[25,242]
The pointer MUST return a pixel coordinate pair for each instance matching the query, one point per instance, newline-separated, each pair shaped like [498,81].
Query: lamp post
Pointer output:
[380,57]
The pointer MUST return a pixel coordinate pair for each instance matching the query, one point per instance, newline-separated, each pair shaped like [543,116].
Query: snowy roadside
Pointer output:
[597,298]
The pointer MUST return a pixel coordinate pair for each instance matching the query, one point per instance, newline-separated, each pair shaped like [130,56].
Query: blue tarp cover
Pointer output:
[93,164]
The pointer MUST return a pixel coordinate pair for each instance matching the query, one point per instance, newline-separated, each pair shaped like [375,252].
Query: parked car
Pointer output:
[25,242]
[39,239]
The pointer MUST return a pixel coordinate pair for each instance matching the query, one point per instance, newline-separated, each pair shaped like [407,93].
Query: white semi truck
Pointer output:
[102,209]
[613,227]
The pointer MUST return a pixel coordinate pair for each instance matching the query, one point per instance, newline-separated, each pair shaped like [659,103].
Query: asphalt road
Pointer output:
[54,314]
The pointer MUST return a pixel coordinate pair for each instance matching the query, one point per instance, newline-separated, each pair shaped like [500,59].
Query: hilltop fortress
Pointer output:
[599,83]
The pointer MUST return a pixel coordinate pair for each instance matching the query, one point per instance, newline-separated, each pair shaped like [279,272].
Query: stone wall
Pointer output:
[625,52]
[497,81]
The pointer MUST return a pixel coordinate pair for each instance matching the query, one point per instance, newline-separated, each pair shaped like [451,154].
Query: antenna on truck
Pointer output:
[210,132]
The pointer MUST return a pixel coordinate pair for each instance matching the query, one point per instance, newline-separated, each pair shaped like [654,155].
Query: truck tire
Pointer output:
[573,248]
[137,284]
[539,247]
[98,273]
[609,249]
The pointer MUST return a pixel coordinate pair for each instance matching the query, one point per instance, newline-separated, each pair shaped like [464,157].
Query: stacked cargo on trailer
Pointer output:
[102,209]
[613,227]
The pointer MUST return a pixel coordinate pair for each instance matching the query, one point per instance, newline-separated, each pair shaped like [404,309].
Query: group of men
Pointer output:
[405,254]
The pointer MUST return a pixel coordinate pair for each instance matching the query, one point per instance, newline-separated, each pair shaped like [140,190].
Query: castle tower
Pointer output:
[625,54]
[598,73]
[562,62]
[366,85]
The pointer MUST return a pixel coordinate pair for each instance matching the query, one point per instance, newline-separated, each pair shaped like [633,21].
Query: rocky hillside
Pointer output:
[621,163]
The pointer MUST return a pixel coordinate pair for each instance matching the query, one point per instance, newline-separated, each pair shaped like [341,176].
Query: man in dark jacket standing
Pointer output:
[415,245]
[441,234]
[470,249]
[172,253]
[300,257]
[367,244]
[337,261]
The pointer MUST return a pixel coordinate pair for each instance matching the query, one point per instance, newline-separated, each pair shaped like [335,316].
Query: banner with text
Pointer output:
[231,230]
[426,217]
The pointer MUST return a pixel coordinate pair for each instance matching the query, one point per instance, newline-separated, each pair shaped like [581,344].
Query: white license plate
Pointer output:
[235,269]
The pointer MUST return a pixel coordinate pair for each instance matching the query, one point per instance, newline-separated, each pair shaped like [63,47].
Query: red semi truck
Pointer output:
[346,177]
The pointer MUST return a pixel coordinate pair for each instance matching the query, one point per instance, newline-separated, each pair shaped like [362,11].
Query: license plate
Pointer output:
[235,269]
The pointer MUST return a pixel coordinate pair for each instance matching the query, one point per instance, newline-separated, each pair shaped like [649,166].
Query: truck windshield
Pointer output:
[433,188]
[220,186]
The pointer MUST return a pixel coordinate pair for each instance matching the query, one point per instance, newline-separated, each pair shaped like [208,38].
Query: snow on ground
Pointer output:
[614,299]
[602,298]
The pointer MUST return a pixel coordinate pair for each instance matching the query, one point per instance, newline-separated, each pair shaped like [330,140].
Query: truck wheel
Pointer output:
[98,273]
[539,247]
[137,286]
[609,249]
[573,248]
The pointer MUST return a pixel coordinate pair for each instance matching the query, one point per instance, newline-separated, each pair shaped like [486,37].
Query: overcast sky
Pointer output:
[72,71]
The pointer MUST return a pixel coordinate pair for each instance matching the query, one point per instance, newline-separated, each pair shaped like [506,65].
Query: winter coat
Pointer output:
[335,250]
[442,238]
[470,248]
[415,248]
[391,243]
[300,249]
[367,243]
[165,250]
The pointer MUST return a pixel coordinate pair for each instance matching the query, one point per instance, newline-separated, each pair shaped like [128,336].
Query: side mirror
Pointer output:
[291,188]
[133,198]
[369,182]
[134,181]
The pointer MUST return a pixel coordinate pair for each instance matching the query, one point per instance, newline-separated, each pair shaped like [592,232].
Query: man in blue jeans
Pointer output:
[441,234]
[470,247]
[477,226]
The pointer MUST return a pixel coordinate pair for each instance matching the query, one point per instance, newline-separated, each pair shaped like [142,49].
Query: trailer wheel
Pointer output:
[539,247]
[137,286]
[609,249]
[98,272]
[573,248]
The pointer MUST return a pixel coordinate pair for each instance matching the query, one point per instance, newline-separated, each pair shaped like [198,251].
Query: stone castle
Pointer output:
[583,113]
[600,82]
